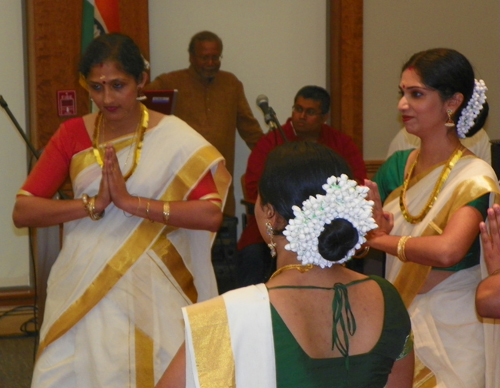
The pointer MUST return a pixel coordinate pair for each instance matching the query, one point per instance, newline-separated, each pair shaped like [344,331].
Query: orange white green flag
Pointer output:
[99,17]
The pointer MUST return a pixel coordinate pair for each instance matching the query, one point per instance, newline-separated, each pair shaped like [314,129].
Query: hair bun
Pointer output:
[338,238]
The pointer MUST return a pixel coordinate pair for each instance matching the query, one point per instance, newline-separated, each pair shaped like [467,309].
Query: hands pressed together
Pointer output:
[112,188]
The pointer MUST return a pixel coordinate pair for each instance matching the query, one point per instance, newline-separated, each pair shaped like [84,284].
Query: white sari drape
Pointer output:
[449,337]
[229,341]
[113,315]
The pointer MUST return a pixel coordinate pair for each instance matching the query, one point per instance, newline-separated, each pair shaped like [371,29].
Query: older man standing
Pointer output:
[212,101]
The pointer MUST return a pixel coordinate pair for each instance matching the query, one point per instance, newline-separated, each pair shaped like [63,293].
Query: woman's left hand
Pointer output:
[116,182]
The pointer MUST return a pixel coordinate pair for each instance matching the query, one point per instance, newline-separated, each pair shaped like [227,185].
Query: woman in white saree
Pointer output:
[434,199]
[148,193]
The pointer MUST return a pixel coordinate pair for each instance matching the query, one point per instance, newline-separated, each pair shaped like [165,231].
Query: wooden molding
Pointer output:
[346,67]
[372,167]
[17,297]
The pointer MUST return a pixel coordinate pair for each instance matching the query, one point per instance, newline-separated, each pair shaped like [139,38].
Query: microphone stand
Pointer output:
[4,105]
[275,124]
[35,153]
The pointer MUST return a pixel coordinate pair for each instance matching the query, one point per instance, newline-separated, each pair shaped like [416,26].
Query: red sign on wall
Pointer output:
[66,102]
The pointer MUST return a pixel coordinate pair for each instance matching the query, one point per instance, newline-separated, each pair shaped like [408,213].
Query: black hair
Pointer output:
[203,36]
[448,72]
[297,170]
[115,47]
[315,93]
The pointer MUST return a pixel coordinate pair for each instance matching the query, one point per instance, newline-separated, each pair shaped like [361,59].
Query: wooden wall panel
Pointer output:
[54,36]
[346,67]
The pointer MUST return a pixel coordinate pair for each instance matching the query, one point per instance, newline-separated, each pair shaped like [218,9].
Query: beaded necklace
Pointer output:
[138,139]
[455,156]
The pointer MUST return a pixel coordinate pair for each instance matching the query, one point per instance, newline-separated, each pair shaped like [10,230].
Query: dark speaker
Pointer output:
[224,254]
[495,156]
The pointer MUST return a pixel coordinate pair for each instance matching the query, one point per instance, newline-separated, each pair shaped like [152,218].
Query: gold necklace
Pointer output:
[138,139]
[299,267]
[455,156]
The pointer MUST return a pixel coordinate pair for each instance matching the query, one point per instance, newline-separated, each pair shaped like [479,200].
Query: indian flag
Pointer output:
[99,17]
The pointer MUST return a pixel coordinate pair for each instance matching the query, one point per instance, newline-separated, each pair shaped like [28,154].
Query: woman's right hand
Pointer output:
[491,239]
[103,198]
[384,220]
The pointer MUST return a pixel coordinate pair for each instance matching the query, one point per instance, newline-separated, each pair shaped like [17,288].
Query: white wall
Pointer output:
[14,252]
[273,46]
[395,29]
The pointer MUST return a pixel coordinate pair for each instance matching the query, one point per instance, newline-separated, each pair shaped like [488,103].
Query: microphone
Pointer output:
[263,103]
[269,115]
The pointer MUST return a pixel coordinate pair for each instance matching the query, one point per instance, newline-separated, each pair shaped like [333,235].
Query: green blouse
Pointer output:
[294,368]
[391,175]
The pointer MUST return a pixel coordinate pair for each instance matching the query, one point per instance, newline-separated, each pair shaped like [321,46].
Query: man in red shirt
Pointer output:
[309,114]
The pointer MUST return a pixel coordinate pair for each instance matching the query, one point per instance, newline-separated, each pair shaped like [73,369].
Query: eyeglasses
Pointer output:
[310,112]
[208,58]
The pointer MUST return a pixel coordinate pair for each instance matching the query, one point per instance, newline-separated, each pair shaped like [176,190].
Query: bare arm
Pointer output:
[488,291]
[175,374]
[444,250]
[196,214]
[401,375]
[41,212]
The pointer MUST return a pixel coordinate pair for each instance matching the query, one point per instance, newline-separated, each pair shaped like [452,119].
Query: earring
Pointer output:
[141,96]
[272,244]
[449,123]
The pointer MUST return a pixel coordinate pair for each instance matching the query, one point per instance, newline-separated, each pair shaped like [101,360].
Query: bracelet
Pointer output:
[401,248]
[136,210]
[89,206]
[85,200]
[148,204]
[92,214]
[166,212]
[362,253]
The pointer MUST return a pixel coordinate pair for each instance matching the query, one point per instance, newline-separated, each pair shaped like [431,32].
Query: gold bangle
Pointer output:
[362,254]
[136,210]
[166,212]
[85,200]
[148,204]
[401,248]
[91,208]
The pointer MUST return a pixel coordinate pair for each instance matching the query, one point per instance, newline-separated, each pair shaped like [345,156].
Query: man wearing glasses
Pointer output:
[212,101]
[308,123]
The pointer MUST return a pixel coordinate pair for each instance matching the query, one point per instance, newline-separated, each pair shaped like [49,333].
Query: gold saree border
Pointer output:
[144,360]
[412,276]
[86,158]
[137,244]
[212,343]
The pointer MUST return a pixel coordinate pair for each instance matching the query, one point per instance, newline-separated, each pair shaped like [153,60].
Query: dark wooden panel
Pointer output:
[346,67]
[54,36]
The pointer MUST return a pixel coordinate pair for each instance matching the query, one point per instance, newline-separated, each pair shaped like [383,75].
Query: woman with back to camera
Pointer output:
[315,323]
[436,196]
[137,236]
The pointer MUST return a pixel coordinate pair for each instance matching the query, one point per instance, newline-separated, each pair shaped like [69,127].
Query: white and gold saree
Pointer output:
[458,347]
[113,315]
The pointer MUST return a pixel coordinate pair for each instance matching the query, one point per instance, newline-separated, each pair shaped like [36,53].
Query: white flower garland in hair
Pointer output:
[470,112]
[343,199]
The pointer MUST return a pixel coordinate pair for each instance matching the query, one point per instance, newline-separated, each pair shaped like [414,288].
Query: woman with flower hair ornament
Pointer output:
[434,199]
[315,323]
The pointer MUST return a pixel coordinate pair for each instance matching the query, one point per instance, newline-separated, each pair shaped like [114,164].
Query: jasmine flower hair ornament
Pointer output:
[474,106]
[343,199]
